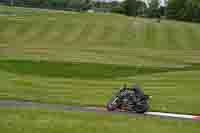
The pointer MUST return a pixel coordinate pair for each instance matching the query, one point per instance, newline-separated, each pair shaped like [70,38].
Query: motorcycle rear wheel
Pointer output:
[141,108]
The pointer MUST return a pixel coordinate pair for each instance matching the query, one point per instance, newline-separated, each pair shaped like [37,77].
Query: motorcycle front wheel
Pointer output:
[111,107]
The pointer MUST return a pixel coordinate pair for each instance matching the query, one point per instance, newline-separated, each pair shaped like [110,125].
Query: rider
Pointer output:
[138,92]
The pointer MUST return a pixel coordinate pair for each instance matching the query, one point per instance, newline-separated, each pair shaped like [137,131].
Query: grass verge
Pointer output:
[31,121]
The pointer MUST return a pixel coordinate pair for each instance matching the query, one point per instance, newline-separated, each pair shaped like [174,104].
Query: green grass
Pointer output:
[163,88]
[82,70]
[82,59]
[31,121]
[74,70]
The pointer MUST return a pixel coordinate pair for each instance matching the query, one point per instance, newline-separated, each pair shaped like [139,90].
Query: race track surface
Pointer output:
[58,107]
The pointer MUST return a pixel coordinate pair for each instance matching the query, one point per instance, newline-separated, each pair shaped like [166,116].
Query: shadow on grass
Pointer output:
[81,70]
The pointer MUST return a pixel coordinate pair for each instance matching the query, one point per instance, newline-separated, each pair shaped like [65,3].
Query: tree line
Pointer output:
[76,5]
[186,10]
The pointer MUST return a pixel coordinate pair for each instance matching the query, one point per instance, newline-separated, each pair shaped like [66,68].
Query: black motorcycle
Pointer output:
[129,99]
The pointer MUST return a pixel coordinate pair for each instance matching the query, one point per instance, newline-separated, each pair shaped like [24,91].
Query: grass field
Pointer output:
[82,59]
[31,121]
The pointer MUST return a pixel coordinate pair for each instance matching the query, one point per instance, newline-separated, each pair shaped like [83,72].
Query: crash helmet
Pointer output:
[136,87]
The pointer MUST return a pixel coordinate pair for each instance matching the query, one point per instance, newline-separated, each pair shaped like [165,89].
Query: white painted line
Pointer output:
[171,115]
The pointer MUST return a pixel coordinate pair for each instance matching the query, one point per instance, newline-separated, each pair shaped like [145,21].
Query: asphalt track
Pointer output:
[58,107]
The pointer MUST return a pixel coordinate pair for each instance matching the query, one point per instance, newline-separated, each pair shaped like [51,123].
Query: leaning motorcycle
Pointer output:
[130,100]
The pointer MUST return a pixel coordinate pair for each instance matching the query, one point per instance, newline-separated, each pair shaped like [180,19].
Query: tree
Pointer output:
[87,4]
[130,7]
[11,2]
[141,7]
[153,10]
[175,8]
[187,10]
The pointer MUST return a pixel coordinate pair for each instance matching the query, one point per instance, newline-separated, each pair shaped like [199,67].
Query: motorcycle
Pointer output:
[130,100]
